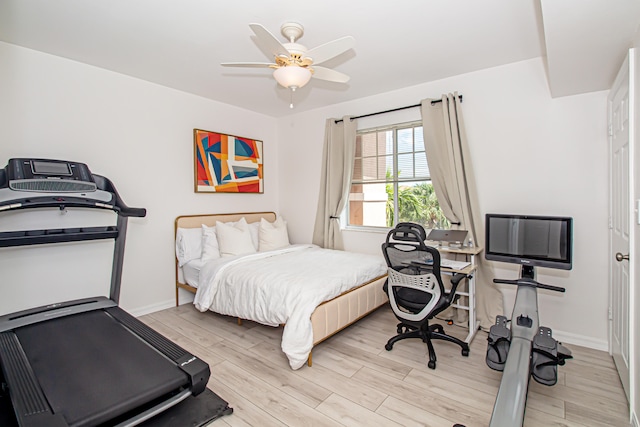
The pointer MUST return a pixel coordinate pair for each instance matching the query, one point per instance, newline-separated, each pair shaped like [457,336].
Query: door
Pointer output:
[621,216]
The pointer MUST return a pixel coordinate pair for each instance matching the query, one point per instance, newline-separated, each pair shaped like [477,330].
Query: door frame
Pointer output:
[633,217]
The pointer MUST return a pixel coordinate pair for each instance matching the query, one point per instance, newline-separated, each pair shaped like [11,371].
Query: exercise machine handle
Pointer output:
[122,208]
[529,282]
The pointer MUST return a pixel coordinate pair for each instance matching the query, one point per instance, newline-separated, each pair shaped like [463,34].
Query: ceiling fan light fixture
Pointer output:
[293,61]
[292,76]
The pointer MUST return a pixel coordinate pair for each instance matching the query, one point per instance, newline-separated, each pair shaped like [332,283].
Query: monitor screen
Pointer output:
[542,241]
[43,167]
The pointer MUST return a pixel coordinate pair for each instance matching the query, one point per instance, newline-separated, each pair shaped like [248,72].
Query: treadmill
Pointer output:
[84,362]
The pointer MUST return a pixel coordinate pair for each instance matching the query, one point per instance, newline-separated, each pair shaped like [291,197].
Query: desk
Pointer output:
[470,255]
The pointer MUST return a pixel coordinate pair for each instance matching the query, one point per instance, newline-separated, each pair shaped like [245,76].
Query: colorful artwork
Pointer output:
[227,163]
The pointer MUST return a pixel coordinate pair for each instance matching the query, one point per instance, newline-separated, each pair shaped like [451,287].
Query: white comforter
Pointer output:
[283,286]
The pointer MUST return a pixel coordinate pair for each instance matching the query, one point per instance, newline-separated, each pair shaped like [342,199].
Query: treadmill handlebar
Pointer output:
[102,194]
[94,200]
[51,201]
[103,183]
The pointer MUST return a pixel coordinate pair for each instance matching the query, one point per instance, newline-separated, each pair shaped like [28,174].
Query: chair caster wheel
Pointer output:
[388,347]
[431,364]
[465,353]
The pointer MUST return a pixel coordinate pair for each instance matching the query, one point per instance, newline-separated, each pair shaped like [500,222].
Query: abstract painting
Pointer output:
[227,163]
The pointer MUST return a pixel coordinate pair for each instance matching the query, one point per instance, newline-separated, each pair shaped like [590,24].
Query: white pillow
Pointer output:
[254,230]
[273,235]
[210,248]
[234,239]
[188,245]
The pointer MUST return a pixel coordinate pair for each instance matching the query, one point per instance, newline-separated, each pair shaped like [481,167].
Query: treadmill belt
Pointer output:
[91,368]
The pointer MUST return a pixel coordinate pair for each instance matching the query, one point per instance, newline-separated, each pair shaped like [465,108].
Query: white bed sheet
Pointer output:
[191,272]
[284,286]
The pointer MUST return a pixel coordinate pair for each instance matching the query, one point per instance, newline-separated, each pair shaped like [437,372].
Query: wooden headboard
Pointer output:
[196,221]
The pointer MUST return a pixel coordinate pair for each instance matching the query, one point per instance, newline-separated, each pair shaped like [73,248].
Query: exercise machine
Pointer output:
[524,349]
[84,362]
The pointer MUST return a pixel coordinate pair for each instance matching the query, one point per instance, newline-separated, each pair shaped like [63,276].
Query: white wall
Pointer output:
[532,155]
[138,134]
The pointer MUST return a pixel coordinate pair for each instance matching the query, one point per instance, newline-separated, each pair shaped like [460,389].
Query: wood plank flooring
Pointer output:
[354,381]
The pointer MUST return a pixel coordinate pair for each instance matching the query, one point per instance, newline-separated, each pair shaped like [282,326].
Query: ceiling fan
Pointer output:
[294,64]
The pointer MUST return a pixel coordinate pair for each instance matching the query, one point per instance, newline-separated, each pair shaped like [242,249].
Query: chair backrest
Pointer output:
[405,243]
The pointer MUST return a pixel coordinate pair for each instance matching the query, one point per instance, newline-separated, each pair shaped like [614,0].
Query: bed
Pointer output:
[219,283]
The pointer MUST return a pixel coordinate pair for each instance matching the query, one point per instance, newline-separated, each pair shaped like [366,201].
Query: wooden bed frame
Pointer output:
[329,317]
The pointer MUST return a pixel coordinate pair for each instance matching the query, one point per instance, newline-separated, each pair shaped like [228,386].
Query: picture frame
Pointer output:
[226,163]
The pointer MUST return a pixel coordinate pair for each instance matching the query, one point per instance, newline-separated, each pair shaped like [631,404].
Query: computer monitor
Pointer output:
[536,241]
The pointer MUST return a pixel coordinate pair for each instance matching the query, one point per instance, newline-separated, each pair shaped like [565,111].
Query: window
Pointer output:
[391,181]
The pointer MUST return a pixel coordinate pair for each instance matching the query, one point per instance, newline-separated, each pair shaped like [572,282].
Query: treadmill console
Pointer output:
[49,176]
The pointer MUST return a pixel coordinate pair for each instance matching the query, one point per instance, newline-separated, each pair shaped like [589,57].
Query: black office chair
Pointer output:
[415,289]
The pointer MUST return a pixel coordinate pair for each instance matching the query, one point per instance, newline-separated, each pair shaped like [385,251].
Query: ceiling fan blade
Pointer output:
[268,40]
[330,49]
[323,73]
[247,64]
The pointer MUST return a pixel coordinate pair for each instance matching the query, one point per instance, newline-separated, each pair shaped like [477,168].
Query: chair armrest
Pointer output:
[455,281]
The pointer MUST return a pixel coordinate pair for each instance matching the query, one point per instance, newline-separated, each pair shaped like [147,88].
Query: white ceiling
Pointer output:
[180,44]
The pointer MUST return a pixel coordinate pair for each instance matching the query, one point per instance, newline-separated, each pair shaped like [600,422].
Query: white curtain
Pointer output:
[337,170]
[453,180]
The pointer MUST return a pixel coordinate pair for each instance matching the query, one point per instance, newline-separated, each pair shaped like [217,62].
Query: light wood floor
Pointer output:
[354,381]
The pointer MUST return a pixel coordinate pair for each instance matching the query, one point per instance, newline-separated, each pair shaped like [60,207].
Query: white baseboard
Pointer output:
[185,298]
[152,308]
[581,340]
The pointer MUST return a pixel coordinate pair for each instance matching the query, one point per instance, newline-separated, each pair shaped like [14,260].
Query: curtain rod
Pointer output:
[435,101]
